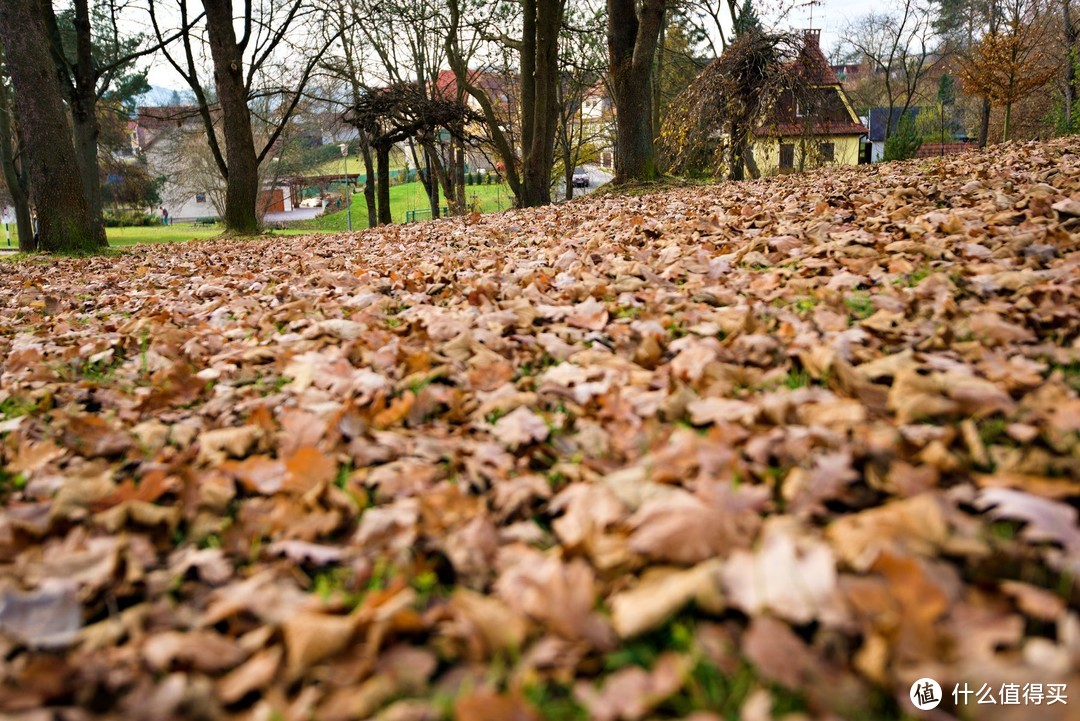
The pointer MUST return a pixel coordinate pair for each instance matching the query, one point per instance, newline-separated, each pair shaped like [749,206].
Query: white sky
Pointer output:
[828,15]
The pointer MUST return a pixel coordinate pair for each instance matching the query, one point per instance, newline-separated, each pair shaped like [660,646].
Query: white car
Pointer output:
[581,178]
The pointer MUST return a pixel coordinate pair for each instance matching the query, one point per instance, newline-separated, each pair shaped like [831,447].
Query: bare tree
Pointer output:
[278,50]
[397,113]
[901,47]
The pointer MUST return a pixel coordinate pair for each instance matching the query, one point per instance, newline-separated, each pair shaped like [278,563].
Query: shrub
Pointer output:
[129,219]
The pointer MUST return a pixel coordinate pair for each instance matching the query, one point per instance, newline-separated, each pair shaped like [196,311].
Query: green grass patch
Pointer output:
[410,196]
[15,406]
[176,233]
[860,305]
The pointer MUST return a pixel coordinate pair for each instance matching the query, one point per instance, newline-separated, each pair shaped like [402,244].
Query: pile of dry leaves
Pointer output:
[760,450]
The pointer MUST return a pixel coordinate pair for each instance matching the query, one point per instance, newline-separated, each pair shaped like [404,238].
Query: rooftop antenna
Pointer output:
[809,4]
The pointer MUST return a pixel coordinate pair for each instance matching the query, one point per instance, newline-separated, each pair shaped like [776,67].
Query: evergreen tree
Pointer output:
[747,19]
[905,142]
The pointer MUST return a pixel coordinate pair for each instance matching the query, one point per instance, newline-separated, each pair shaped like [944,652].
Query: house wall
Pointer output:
[767,152]
[188,208]
[877,151]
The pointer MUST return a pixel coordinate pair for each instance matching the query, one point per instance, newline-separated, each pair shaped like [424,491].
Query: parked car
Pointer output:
[581,178]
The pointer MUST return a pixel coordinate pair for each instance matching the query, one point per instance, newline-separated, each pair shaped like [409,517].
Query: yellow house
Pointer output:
[825,133]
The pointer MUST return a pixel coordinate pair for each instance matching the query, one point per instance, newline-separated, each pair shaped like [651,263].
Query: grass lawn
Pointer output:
[410,196]
[488,199]
[160,234]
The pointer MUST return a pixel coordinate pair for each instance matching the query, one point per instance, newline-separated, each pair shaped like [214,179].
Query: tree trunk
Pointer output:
[64,220]
[984,122]
[369,183]
[83,97]
[431,185]
[1072,50]
[15,176]
[632,42]
[382,161]
[658,73]
[539,145]
[242,179]
[459,172]
[736,153]
[1005,124]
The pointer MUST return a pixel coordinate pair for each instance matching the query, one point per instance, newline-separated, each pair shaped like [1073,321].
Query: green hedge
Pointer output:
[129,219]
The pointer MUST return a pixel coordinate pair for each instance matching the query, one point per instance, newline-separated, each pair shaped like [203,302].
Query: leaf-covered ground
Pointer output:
[743,451]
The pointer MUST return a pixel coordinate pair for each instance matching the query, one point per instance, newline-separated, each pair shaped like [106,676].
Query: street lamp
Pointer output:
[348,195]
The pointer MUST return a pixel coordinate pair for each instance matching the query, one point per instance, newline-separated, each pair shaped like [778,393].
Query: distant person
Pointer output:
[164,216]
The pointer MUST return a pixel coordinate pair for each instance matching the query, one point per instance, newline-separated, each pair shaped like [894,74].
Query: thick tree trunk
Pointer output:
[64,220]
[539,116]
[632,42]
[242,180]
[382,163]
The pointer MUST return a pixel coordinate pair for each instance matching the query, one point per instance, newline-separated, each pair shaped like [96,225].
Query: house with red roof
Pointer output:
[816,128]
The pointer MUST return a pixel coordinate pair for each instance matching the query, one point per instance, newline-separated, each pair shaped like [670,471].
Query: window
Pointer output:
[200,197]
[828,152]
[787,156]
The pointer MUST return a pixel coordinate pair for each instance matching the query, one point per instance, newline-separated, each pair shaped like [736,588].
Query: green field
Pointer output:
[410,196]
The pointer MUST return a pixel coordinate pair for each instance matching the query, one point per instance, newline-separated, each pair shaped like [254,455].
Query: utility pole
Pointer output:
[348,192]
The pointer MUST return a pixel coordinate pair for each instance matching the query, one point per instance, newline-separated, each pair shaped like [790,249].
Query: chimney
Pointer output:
[812,38]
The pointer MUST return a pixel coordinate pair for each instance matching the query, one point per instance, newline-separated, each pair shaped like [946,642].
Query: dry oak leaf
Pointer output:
[590,315]
[34,456]
[217,445]
[49,617]
[311,637]
[659,596]
[520,427]
[94,437]
[1046,520]
[495,625]
[205,651]
[790,573]
[484,705]
[632,692]
[722,410]
[254,674]
[918,524]
[560,595]
[684,528]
